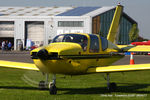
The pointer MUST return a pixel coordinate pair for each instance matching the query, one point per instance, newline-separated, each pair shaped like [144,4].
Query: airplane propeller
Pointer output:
[42,54]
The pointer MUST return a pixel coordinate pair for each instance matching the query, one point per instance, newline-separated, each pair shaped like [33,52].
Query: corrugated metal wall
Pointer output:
[35,32]
[6,29]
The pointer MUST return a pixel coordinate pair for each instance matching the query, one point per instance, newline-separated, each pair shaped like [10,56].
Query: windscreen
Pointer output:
[75,38]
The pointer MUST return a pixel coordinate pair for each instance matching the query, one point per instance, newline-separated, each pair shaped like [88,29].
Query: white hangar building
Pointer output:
[41,24]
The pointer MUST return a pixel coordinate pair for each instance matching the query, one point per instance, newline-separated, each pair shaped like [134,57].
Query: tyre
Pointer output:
[112,87]
[53,90]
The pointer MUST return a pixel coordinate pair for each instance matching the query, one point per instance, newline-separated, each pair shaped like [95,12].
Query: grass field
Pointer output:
[22,85]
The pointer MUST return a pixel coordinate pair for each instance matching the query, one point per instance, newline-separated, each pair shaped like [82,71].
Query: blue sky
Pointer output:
[137,9]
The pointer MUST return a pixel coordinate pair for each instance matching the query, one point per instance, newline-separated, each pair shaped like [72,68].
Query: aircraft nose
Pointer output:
[42,54]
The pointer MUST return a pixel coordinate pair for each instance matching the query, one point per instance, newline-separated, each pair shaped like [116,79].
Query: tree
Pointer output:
[134,33]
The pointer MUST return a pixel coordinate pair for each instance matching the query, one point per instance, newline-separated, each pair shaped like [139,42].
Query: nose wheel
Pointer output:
[52,89]
[52,86]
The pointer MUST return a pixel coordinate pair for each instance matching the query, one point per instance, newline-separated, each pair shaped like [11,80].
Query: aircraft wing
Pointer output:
[18,65]
[140,48]
[119,68]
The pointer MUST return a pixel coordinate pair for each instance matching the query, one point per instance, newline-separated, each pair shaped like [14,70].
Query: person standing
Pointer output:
[9,46]
[3,45]
[6,45]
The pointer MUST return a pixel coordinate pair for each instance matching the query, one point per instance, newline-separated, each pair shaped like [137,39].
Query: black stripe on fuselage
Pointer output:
[94,56]
[85,56]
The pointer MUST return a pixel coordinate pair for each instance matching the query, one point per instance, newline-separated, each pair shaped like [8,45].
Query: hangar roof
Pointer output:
[79,11]
[52,11]
[56,11]
[32,11]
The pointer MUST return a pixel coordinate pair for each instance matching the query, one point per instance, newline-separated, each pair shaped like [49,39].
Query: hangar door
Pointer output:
[34,31]
[7,31]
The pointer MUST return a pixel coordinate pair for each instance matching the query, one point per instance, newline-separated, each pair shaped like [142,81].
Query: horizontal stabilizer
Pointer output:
[131,48]
[18,65]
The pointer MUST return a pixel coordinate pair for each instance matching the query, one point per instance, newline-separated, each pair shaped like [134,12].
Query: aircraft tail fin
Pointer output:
[112,34]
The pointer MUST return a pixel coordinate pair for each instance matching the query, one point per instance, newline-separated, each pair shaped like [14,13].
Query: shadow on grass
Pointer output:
[126,88]
[20,88]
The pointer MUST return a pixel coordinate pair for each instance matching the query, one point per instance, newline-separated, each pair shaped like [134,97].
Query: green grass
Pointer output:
[22,85]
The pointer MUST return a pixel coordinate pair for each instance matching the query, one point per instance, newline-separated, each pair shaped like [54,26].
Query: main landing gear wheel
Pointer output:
[42,85]
[112,87]
[52,88]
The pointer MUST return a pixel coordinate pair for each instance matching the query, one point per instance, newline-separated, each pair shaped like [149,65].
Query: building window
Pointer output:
[70,24]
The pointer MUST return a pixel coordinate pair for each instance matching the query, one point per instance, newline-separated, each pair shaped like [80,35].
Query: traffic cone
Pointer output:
[131,59]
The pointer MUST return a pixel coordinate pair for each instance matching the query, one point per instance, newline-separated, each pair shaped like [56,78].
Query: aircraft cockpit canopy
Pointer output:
[75,38]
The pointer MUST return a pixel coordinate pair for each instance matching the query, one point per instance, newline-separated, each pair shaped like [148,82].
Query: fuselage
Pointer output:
[73,54]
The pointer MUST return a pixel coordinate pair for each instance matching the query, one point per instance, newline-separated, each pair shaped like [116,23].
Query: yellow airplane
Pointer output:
[78,54]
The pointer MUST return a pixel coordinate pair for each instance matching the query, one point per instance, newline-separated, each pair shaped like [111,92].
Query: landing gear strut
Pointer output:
[111,86]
